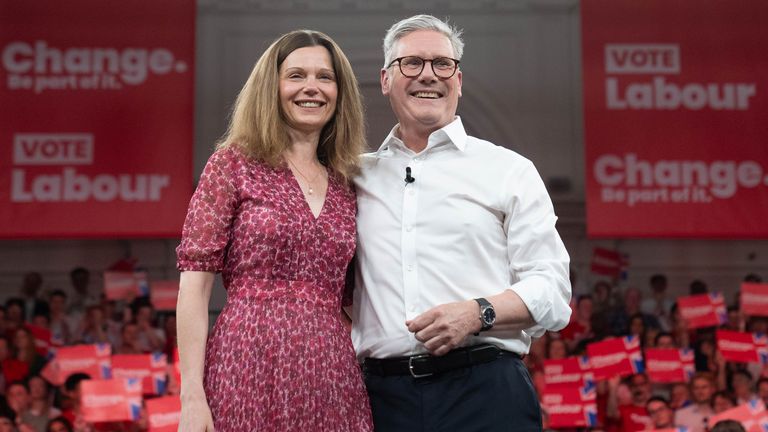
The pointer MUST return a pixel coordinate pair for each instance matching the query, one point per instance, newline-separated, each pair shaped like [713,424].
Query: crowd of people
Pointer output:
[79,315]
[635,403]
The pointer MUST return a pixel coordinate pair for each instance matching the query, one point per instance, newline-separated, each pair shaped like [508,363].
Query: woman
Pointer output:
[274,213]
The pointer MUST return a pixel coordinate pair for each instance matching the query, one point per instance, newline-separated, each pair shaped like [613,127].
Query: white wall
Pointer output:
[522,89]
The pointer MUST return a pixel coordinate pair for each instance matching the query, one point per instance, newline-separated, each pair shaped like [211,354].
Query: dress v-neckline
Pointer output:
[307,206]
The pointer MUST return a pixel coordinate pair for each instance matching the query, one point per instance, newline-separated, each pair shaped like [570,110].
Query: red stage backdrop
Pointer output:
[675,102]
[96,131]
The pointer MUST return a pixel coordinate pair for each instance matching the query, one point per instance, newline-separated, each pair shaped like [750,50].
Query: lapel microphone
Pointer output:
[408,177]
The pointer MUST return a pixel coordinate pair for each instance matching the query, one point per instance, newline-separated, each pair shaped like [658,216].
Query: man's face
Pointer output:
[424,103]
[18,398]
[660,414]
[640,388]
[702,390]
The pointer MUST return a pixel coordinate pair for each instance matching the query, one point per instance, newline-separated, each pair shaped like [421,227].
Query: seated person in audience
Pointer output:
[129,340]
[702,387]
[26,361]
[17,395]
[661,414]
[95,328]
[679,396]
[722,401]
[71,392]
[30,294]
[59,424]
[14,316]
[736,320]
[665,340]
[658,304]
[631,416]
[741,385]
[621,315]
[602,298]
[59,323]
[728,426]
[40,398]
[150,338]
[556,349]
[637,327]
[580,326]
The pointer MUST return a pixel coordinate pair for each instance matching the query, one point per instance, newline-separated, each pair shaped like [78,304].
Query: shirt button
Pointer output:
[408,228]
[410,267]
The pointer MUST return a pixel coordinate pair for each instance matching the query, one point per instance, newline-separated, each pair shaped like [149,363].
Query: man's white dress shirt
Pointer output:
[476,221]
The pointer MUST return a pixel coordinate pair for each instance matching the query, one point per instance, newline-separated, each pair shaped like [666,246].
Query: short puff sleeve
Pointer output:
[208,226]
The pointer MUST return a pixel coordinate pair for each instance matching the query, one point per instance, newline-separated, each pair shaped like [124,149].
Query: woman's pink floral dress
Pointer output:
[278,357]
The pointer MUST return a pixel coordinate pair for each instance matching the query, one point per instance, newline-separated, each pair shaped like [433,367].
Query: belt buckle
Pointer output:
[410,366]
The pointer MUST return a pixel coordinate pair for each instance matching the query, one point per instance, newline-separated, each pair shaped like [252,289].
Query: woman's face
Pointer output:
[22,339]
[308,89]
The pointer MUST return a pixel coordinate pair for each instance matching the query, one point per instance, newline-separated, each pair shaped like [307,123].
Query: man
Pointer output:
[658,304]
[458,260]
[660,413]
[695,415]
[632,416]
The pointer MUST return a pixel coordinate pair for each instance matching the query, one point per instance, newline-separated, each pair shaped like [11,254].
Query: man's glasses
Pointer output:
[413,66]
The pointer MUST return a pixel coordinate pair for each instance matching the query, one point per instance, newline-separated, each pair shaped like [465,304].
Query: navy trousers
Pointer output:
[490,397]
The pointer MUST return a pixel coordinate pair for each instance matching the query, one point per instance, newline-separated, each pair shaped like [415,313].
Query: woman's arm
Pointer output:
[192,330]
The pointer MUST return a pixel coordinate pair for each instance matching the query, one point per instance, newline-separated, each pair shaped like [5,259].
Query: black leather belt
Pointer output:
[424,365]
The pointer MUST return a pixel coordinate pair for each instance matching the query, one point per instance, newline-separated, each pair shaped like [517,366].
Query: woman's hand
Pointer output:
[195,414]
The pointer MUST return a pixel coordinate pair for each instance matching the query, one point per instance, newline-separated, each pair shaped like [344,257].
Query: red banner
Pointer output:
[703,310]
[615,356]
[608,262]
[96,131]
[669,365]
[42,338]
[110,400]
[163,294]
[674,118]
[752,415]
[742,347]
[93,360]
[120,285]
[164,414]
[151,369]
[568,372]
[754,298]
[570,406]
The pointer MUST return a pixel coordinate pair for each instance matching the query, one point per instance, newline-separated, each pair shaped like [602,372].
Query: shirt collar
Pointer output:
[452,133]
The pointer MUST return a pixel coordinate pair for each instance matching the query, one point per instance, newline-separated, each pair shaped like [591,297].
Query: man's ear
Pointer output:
[458,72]
[385,82]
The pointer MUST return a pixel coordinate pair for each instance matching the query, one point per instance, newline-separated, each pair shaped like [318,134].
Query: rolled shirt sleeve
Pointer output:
[538,260]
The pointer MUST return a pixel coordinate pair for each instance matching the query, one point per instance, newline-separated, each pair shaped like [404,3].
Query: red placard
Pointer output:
[149,368]
[669,365]
[570,406]
[674,118]
[752,415]
[615,356]
[96,123]
[703,310]
[163,294]
[42,338]
[93,360]
[754,298]
[110,400]
[742,347]
[164,414]
[608,262]
[568,372]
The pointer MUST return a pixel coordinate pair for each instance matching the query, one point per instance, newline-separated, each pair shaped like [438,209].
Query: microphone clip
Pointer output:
[408,177]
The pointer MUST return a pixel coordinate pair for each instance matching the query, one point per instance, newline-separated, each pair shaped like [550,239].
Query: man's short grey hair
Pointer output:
[421,22]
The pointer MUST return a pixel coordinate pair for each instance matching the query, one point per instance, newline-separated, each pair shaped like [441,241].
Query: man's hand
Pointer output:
[445,327]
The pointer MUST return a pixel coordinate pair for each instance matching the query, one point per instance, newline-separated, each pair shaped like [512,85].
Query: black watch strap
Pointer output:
[485,305]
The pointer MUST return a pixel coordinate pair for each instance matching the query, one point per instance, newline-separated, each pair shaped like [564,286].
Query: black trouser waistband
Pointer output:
[424,365]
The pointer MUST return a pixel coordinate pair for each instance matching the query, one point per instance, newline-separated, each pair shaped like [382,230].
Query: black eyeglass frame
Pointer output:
[424,63]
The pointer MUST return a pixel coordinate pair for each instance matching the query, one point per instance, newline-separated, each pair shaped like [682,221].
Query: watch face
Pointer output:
[489,315]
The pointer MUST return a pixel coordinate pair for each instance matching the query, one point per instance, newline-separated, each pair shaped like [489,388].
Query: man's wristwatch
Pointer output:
[487,314]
